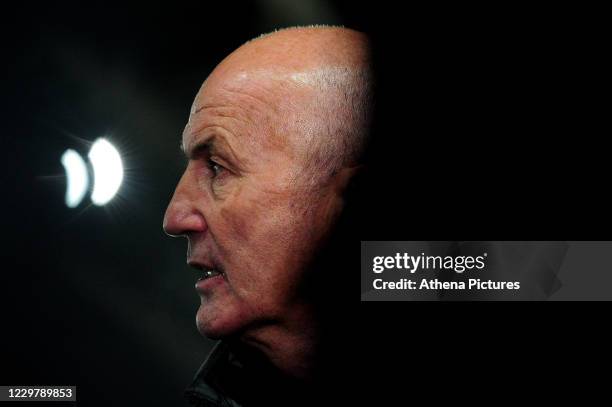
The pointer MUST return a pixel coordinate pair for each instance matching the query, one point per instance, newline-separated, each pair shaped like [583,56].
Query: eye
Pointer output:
[215,167]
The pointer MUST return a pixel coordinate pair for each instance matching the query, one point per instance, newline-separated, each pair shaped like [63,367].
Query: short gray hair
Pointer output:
[344,116]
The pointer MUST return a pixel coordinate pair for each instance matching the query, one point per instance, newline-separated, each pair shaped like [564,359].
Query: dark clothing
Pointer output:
[224,381]
[206,389]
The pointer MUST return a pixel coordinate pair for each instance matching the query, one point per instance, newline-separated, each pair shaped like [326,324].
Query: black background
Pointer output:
[488,127]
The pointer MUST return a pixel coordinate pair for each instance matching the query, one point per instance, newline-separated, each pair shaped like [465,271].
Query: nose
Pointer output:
[182,216]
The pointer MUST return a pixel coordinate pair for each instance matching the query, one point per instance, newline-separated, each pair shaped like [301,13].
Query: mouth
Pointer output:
[206,272]
[210,273]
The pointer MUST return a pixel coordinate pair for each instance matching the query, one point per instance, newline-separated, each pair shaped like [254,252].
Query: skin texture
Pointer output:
[250,201]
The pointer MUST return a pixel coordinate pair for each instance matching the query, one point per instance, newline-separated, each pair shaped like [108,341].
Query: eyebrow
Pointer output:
[195,147]
[215,144]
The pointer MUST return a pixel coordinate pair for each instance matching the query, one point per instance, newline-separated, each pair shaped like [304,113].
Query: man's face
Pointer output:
[243,204]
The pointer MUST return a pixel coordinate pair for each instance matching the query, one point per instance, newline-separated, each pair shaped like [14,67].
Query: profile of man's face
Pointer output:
[249,203]
[242,203]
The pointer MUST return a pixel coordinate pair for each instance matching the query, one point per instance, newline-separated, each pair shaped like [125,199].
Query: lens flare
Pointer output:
[76,177]
[107,169]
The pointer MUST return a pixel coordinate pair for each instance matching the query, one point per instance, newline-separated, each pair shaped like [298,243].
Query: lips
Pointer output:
[209,273]
[209,278]
[206,271]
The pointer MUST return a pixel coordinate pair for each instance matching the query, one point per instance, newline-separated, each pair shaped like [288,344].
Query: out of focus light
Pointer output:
[107,169]
[76,176]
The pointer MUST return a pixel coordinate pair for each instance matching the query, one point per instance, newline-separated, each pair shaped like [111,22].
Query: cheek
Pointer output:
[254,215]
[240,218]
[262,237]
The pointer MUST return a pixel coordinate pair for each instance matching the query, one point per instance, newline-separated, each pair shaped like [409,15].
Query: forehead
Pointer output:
[251,107]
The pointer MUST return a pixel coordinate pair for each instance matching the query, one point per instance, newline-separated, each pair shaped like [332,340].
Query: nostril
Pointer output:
[194,223]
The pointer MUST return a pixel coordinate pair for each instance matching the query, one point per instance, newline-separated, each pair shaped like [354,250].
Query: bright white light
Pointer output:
[107,169]
[76,176]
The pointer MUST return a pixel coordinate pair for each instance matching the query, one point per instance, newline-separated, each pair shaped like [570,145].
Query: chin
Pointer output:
[215,323]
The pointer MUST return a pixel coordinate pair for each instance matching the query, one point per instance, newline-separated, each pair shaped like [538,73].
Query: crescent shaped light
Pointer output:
[107,170]
[76,177]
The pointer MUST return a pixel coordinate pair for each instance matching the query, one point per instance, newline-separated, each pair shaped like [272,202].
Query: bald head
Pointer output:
[307,48]
[317,85]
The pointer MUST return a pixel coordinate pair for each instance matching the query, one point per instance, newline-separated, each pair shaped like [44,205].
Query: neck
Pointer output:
[289,346]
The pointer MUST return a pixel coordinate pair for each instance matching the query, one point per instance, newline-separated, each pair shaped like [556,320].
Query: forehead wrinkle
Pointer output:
[210,138]
[253,101]
[230,121]
[217,107]
[254,91]
[231,111]
[209,112]
[252,95]
[226,101]
[260,104]
[218,142]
